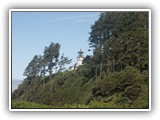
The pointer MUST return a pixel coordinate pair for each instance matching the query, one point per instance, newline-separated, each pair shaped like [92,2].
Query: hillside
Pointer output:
[125,89]
[15,83]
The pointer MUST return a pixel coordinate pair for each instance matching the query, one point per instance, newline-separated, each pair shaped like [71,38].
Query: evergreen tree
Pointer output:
[120,39]
[63,60]
[51,55]
[42,65]
[32,70]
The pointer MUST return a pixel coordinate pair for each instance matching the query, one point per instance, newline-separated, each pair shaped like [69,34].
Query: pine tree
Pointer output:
[42,65]
[51,55]
[32,70]
[120,39]
[63,60]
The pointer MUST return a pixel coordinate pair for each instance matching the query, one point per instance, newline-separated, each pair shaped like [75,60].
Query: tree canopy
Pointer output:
[40,64]
[120,39]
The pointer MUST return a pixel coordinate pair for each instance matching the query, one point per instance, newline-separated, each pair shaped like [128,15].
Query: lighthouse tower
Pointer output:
[79,58]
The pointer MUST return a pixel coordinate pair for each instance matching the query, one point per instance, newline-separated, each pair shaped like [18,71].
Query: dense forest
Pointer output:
[115,76]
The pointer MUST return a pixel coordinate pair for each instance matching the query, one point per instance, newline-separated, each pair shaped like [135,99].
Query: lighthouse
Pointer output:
[79,61]
[79,58]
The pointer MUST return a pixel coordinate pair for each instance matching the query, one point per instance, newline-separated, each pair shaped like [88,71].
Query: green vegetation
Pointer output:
[116,76]
[125,89]
[24,104]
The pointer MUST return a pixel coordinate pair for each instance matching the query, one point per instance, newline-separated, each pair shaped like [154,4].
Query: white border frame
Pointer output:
[71,10]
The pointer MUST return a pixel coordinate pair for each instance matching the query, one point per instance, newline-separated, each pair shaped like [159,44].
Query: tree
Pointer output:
[63,60]
[32,70]
[42,65]
[120,39]
[51,55]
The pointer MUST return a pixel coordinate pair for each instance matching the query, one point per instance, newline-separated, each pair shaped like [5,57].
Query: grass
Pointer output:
[25,105]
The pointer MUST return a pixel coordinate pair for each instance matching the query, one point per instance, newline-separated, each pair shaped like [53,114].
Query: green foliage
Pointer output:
[62,62]
[121,38]
[30,105]
[32,69]
[116,76]
[51,55]
[127,85]
[96,104]
[125,89]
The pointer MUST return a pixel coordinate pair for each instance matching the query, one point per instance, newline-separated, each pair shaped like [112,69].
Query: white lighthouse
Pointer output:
[79,58]
[79,61]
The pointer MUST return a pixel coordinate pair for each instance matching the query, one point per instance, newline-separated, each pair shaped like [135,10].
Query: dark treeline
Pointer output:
[120,39]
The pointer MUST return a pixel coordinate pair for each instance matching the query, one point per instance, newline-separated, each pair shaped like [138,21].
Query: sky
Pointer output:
[32,31]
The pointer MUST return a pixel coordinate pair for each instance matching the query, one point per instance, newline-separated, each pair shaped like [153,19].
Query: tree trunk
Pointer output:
[50,70]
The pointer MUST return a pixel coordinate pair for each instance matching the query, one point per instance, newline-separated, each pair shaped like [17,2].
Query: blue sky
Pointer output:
[32,31]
